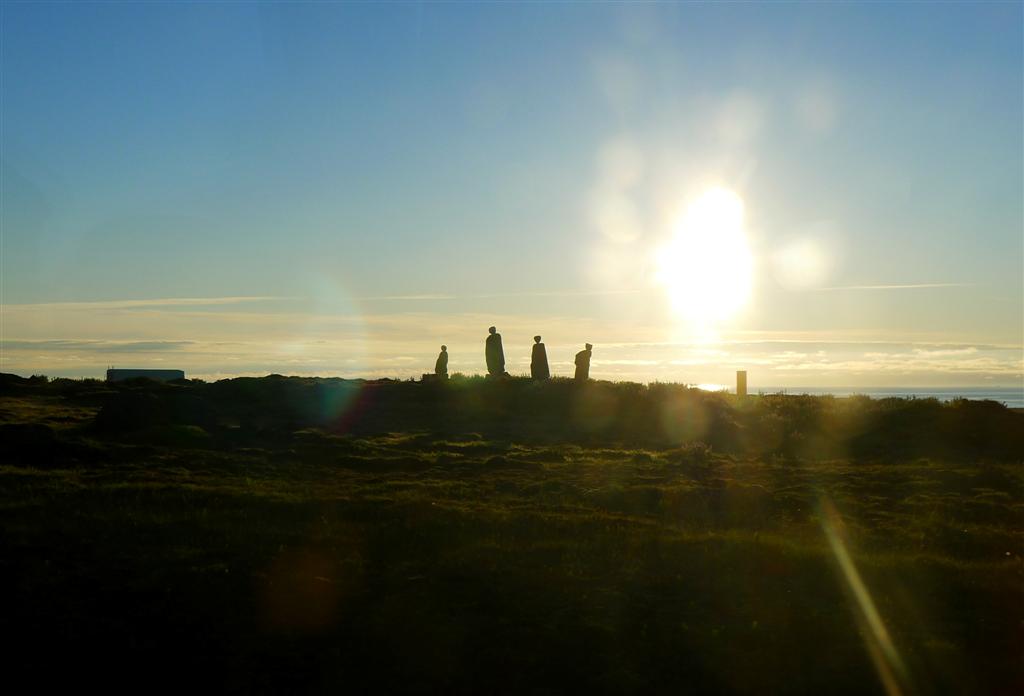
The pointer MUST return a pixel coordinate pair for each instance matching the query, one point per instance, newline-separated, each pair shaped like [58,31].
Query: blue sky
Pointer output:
[286,167]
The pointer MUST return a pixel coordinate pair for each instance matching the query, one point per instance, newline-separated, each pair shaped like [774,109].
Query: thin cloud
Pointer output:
[160,302]
[488,296]
[98,345]
[563,293]
[910,286]
[408,298]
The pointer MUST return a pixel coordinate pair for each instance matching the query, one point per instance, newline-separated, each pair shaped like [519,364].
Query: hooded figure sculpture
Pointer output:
[495,354]
[539,360]
[441,366]
[583,364]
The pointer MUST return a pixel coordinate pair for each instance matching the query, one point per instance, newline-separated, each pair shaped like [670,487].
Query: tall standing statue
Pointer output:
[583,364]
[539,360]
[441,366]
[495,354]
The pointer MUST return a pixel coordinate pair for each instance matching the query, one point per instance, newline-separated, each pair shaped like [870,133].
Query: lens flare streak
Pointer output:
[886,658]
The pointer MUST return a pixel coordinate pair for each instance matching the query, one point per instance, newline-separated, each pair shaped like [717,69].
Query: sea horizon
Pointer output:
[1012,397]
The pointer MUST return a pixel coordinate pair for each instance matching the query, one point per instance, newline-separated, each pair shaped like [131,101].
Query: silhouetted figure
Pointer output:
[495,354]
[583,363]
[441,366]
[539,360]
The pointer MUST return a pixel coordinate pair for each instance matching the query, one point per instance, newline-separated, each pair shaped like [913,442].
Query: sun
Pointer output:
[707,267]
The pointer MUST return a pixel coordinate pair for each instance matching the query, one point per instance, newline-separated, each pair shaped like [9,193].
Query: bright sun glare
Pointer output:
[707,266]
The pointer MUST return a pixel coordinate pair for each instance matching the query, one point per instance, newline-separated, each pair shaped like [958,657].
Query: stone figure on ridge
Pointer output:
[583,363]
[539,360]
[495,354]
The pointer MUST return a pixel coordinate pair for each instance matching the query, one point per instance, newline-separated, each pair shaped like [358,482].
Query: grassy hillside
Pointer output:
[299,534]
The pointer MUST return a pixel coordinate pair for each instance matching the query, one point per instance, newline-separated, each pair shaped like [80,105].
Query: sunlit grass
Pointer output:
[589,563]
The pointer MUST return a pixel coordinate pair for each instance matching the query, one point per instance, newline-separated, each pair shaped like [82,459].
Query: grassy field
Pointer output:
[283,534]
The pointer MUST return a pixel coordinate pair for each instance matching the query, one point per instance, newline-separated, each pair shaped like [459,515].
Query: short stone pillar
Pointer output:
[741,382]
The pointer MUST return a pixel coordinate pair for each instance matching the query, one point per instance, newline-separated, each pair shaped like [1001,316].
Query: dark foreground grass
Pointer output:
[277,549]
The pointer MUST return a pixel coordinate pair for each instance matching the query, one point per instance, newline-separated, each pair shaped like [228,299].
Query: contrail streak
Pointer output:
[911,286]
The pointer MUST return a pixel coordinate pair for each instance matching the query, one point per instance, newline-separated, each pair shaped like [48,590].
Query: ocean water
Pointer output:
[1010,396]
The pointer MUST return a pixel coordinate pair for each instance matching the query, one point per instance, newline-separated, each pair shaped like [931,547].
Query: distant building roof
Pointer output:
[159,375]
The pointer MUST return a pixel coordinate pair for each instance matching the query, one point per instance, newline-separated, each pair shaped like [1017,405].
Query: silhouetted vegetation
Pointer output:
[561,410]
[478,535]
